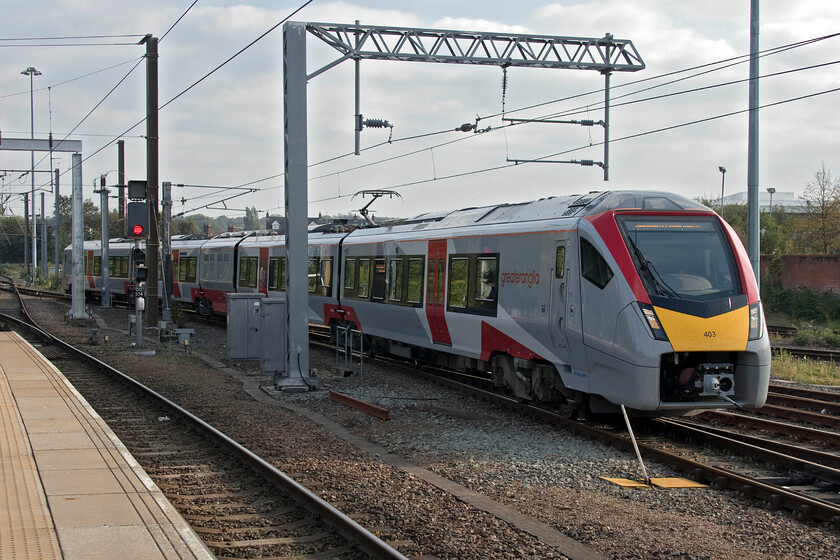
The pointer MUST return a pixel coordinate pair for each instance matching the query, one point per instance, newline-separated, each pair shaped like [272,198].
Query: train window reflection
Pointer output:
[593,266]
[325,275]
[485,279]
[312,275]
[458,277]
[277,274]
[395,280]
[415,281]
[560,262]
[364,278]
[186,269]
[350,274]
[248,272]
[687,257]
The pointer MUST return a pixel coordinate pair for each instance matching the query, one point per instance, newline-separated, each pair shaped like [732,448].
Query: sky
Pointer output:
[227,129]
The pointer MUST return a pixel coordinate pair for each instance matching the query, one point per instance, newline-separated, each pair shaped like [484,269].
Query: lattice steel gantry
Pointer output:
[359,42]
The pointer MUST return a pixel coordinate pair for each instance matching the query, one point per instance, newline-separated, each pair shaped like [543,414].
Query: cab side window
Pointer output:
[593,266]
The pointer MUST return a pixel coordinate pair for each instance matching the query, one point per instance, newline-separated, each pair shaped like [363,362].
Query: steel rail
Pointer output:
[741,419]
[778,497]
[823,465]
[803,402]
[815,418]
[351,530]
[829,396]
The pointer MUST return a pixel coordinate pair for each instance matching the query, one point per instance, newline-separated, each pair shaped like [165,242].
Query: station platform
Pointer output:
[68,487]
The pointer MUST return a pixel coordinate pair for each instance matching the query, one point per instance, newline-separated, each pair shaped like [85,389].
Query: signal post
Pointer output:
[137,228]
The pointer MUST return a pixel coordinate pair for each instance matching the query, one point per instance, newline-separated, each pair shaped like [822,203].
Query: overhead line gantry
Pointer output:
[359,42]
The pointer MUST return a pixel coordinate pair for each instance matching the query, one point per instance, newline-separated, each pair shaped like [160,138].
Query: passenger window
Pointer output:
[430,283]
[186,269]
[379,280]
[593,266]
[395,280]
[560,262]
[415,281]
[248,272]
[349,274]
[277,274]
[325,276]
[458,276]
[485,279]
[97,266]
[440,272]
[364,278]
[313,275]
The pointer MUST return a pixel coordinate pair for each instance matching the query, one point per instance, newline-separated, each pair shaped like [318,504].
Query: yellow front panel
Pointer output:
[727,332]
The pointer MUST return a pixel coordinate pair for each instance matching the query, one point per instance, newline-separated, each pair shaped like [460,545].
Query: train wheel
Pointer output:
[504,375]
[568,408]
[574,406]
[204,307]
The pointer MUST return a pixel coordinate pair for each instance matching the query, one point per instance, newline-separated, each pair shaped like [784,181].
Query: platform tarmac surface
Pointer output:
[70,489]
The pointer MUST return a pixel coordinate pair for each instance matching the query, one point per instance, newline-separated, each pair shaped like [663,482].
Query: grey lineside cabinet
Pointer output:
[273,311]
[244,326]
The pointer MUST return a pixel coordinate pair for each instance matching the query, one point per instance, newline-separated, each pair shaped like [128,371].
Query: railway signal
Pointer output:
[137,220]
[141,273]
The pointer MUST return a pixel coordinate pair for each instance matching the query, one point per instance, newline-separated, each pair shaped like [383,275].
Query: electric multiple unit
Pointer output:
[644,299]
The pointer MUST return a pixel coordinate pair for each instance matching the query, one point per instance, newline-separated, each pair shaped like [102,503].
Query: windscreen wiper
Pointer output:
[648,270]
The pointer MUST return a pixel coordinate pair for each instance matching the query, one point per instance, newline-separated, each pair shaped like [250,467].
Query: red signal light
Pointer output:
[137,229]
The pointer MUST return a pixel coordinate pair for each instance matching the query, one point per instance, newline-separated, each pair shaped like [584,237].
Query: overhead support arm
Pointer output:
[464,47]
[364,42]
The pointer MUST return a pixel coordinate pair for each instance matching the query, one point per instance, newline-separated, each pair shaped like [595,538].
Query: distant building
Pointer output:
[787,201]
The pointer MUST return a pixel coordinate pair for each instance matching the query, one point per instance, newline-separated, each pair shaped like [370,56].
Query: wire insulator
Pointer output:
[377,123]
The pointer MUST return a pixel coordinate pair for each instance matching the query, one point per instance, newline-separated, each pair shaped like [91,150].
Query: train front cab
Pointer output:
[682,329]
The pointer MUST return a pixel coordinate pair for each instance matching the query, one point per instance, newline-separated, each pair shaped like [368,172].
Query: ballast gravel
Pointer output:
[545,475]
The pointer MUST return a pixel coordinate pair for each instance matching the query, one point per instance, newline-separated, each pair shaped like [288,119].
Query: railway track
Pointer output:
[239,504]
[220,319]
[792,478]
[768,487]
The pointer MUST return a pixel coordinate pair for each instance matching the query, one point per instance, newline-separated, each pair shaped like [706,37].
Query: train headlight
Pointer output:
[755,321]
[653,322]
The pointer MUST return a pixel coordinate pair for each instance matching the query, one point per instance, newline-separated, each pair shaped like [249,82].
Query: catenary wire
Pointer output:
[564,152]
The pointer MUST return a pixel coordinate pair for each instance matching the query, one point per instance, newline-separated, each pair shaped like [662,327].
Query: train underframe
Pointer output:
[526,380]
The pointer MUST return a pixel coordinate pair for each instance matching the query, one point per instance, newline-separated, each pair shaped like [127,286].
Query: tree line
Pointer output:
[14,232]
[815,229]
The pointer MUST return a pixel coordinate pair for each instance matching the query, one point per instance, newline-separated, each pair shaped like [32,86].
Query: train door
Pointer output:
[262,272]
[599,297]
[176,274]
[89,269]
[558,321]
[435,291]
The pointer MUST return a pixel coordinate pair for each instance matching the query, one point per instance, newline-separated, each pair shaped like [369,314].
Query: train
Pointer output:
[586,302]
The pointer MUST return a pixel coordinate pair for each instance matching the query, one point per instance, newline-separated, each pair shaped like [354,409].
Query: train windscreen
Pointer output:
[682,257]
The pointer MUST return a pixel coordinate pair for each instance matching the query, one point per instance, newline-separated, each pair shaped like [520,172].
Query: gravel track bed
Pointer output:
[539,471]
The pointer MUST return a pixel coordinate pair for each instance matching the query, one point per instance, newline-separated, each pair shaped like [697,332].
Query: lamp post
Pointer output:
[771,190]
[32,72]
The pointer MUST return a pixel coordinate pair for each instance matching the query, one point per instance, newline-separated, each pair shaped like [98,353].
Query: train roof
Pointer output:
[552,208]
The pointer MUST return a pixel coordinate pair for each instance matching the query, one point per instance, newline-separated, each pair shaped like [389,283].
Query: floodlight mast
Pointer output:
[358,42]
